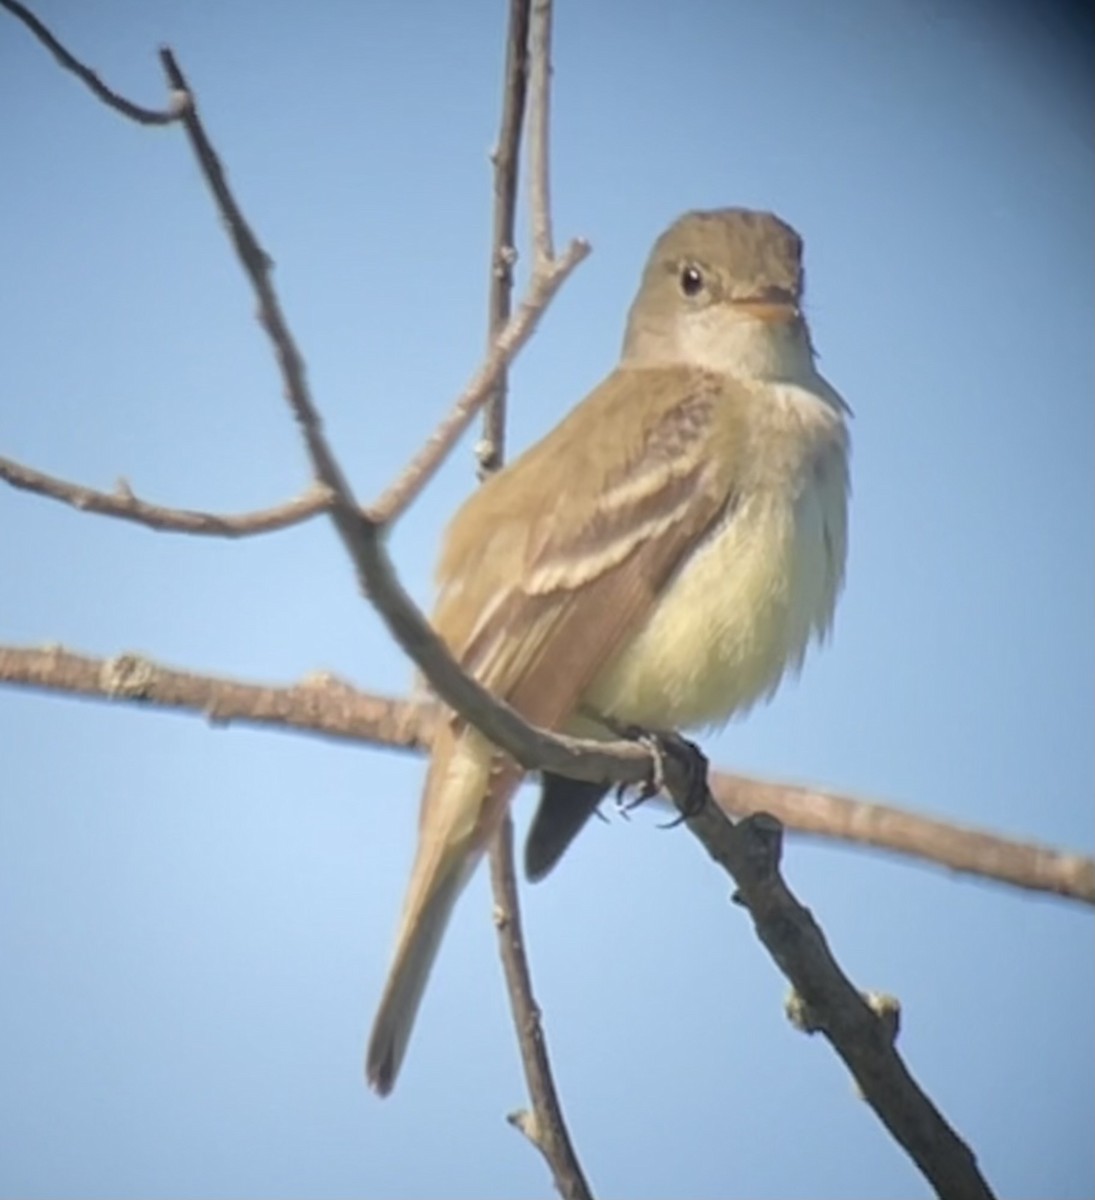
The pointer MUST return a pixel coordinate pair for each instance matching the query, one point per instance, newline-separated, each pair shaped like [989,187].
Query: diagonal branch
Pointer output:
[123,504]
[257,266]
[113,99]
[825,1000]
[517,331]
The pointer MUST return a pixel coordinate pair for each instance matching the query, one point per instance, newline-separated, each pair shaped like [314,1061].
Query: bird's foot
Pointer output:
[694,762]
[663,746]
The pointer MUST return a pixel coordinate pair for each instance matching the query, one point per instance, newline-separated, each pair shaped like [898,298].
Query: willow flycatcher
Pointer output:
[660,559]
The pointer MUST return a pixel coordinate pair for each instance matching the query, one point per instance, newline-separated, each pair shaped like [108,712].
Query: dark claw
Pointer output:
[660,746]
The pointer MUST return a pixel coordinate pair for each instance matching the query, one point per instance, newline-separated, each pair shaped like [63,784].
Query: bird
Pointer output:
[659,560]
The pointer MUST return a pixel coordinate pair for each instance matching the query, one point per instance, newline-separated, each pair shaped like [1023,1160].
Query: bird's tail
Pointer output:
[416,949]
[565,806]
[466,795]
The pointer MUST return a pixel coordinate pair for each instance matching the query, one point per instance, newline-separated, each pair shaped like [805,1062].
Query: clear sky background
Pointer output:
[195,924]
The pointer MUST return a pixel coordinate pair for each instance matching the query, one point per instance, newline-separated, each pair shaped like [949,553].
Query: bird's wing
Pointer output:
[555,562]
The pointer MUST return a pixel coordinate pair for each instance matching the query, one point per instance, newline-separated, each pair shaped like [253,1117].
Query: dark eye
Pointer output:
[691,279]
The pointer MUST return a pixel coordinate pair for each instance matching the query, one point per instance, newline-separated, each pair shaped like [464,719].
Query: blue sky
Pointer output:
[195,924]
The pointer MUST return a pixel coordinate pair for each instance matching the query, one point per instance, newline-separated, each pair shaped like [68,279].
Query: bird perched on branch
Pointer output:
[659,560]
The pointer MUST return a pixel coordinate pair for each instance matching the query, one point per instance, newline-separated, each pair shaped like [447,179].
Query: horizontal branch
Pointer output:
[123,504]
[69,61]
[326,706]
[959,848]
[320,704]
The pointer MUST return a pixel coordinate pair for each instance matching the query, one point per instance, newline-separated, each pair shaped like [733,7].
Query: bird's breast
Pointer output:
[742,608]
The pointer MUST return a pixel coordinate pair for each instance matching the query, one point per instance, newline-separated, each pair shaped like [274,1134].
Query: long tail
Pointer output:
[461,807]
[416,949]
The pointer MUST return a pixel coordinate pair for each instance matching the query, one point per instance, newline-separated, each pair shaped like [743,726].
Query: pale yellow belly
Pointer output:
[739,614]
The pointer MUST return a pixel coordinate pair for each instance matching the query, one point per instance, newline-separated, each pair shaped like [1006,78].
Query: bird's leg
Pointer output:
[655,783]
[661,746]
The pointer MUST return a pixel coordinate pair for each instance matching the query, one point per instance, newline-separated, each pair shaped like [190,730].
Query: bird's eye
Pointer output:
[691,279]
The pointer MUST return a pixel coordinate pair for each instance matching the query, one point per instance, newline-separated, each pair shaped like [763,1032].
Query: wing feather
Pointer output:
[582,538]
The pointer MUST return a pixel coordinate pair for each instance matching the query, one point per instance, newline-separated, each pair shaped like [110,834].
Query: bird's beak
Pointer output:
[769,310]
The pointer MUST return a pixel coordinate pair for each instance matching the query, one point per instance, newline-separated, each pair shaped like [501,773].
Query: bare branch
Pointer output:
[543,241]
[321,704]
[135,112]
[505,159]
[508,334]
[544,1126]
[541,290]
[330,708]
[357,530]
[750,852]
[123,504]
[257,265]
[548,272]
[970,851]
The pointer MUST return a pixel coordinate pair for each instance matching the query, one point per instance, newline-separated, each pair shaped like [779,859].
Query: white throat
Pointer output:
[731,344]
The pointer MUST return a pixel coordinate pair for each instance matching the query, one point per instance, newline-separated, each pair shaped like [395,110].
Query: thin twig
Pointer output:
[328,708]
[548,275]
[257,265]
[539,139]
[544,1126]
[541,290]
[123,504]
[361,536]
[749,852]
[135,112]
[505,160]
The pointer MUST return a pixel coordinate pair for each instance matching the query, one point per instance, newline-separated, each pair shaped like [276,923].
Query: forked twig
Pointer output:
[541,291]
[68,60]
[124,505]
